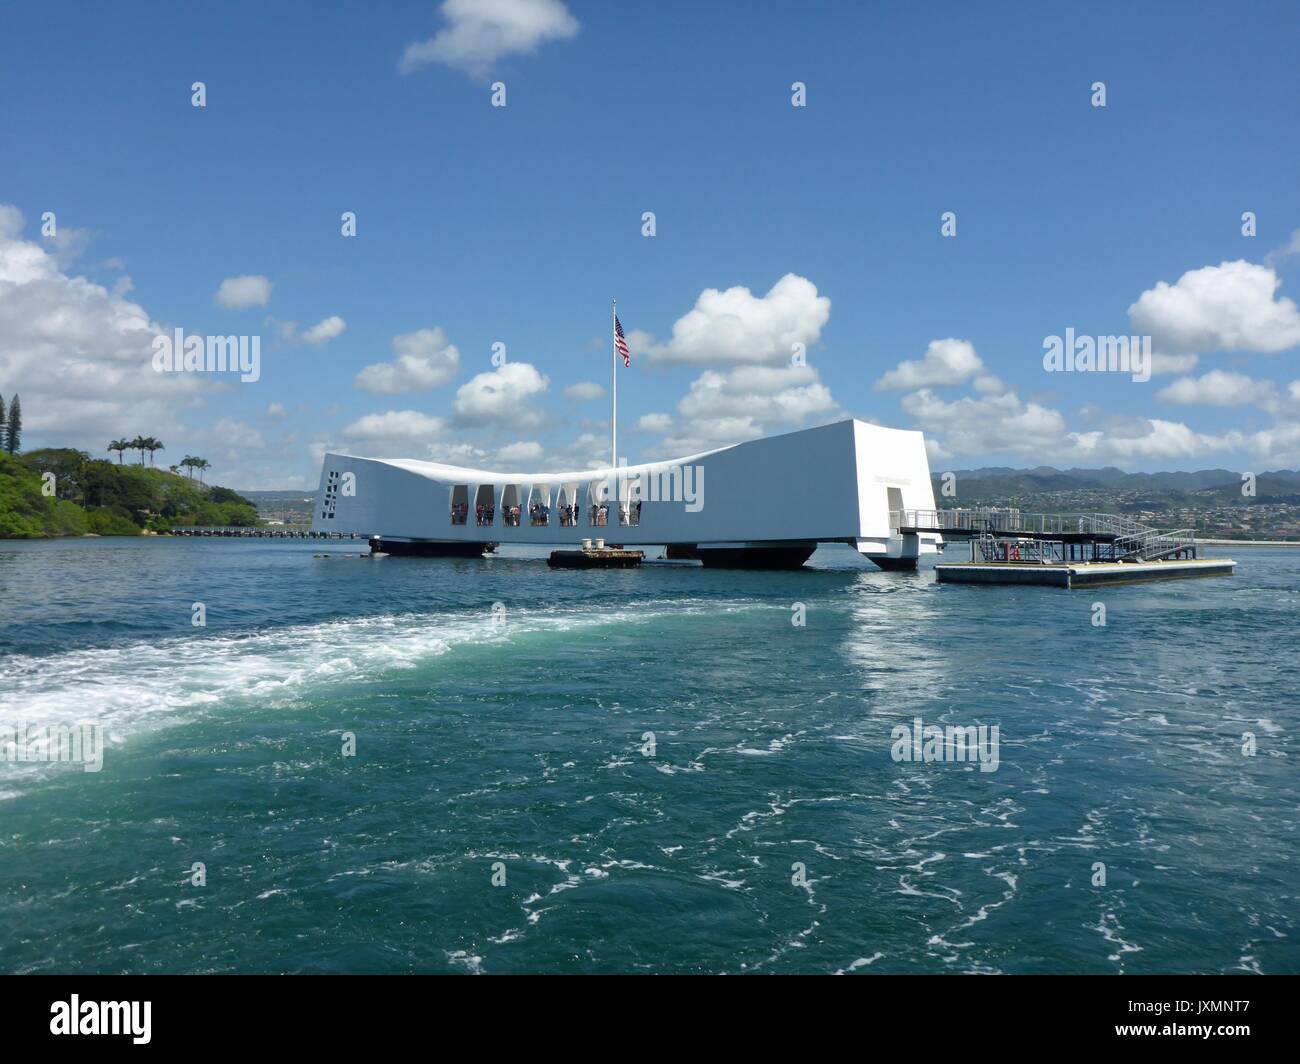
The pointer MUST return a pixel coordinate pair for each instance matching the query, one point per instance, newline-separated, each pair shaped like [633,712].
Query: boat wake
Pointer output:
[150,685]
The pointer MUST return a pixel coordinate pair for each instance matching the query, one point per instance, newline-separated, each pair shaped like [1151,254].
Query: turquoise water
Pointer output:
[513,738]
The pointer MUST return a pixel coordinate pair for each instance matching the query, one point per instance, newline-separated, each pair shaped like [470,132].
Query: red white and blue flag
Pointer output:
[620,343]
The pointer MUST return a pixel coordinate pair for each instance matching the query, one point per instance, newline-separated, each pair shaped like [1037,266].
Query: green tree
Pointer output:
[119,446]
[67,465]
[137,444]
[14,426]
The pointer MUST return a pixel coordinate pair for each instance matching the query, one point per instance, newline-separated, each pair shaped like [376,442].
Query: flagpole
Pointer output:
[613,389]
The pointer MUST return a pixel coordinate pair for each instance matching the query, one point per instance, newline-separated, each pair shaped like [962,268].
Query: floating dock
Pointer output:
[596,556]
[1062,550]
[1080,574]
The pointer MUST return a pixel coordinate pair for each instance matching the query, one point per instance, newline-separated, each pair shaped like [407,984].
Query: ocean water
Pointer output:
[500,713]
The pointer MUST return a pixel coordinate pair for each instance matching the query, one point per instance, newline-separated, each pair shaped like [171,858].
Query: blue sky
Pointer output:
[478,224]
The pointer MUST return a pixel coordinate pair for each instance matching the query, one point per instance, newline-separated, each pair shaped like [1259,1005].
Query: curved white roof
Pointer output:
[439,471]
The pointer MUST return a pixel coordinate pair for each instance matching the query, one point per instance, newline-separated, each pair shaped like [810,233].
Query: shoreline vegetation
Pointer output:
[61,492]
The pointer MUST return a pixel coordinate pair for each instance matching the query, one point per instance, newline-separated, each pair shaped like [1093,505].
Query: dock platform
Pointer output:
[1080,574]
[596,558]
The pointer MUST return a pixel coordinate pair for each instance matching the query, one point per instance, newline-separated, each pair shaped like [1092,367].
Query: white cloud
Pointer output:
[945,362]
[395,425]
[991,424]
[319,334]
[784,396]
[1172,363]
[234,437]
[1278,445]
[68,245]
[584,391]
[742,404]
[654,423]
[81,356]
[12,222]
[239,293]
[276,410]
[1006,424]
[1220,388]
[999,422]
[1291,247]
[736,327]
[588,451]
[1229,307]
[479,32]
[324,331]
[501,397]
[459,454]
[424,361]
[523,451]
[1161,439]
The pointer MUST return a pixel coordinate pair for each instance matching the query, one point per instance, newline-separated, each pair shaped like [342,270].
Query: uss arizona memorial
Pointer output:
[767,503]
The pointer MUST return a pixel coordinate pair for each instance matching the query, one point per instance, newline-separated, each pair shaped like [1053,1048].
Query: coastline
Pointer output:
[1247,542]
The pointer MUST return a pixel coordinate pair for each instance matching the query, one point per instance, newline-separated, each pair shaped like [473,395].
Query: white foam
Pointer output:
[149,685]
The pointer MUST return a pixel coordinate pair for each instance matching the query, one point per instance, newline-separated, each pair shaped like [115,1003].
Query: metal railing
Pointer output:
[1152,544]
[999,535]
[987,548]
[1012,521]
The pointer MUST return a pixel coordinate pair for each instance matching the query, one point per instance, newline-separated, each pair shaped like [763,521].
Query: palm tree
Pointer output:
[201,464]
[151,444]
[137,444]
[119,446]
[188,462]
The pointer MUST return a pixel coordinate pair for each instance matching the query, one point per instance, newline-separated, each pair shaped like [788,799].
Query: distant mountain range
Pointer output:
[1205,486]
[1209,501]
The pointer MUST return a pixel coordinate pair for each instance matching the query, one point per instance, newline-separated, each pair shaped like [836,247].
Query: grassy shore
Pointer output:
[64,492]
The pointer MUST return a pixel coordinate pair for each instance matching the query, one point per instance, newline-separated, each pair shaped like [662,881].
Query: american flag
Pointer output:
[620,344]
